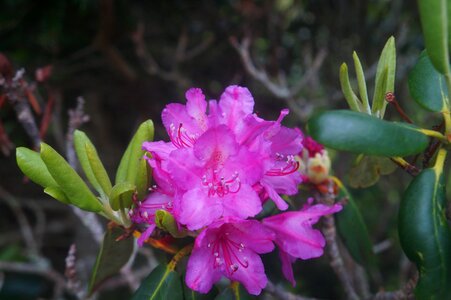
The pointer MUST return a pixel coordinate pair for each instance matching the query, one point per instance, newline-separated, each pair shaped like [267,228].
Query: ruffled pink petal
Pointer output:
[175,114]
[242,204]
[215,146]
[249,166]
[294,232]
[200,274]
[196,106]
[285,184]
[287,266]
[236,102]
[197,209]
[184,168]
[287,141]
[252,234]
[145,235]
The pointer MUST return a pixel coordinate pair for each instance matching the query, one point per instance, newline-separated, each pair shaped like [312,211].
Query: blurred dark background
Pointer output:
[128,59]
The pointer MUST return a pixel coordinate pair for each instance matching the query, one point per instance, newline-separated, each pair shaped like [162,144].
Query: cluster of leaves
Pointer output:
[422,224]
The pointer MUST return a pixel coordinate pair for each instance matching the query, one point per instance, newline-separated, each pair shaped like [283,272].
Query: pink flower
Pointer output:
[230,248]
[295,236]
[219,162]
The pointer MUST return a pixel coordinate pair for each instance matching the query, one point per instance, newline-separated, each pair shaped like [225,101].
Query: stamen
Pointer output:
[224,250]
[221,186]
[180,137]
[291,166]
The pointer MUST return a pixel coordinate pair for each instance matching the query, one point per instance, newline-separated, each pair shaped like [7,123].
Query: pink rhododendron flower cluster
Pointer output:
[221,165]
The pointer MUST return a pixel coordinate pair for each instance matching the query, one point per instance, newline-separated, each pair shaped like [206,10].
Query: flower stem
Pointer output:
[177,257]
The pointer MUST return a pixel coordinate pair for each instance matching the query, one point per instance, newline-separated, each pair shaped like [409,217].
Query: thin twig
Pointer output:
[24,225]
[336,260]
[73,284]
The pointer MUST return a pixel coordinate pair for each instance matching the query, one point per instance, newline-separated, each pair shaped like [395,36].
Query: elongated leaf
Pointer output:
[384,82]
[68,180]
[121,195]
[113,255]
[57,193]
[360,133]
[354,233]
[91,164]
[235,292]
[132,169]
[352,99]
[31,164]
[424,232]
[163,283]
[427,86]
[434,21]
[361,82]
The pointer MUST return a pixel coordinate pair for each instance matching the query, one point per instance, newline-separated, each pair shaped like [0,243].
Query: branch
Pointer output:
[337,262]
[73,284]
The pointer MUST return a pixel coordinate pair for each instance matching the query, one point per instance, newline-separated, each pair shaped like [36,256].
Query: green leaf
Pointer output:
[121,195]
[368,169]
[113,255]
[424,233]
[427,86]
[132,168]
[354,233]
[91,163]
[360,133]
[69,181]
[385,77]
[165,221]
[163,283]
[189,294]
[361,82]
[235,292]
[57,193]
[434,21]
[31,164]
[352,99]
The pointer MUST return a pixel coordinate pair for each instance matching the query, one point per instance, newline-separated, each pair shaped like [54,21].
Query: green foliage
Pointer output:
[353,231]
[31,164]
[133,168]
[91,164]
[113,255]
[361,133]
[367,170]
[163,283]
[189,294]
[434,21]
[121,195]
[427,86]
[424,232]
[69,181]
[164,220]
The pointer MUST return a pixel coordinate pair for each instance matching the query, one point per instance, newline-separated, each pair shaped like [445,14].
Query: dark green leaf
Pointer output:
[68,180]
[189,294]
[368,169]
[113,255]
[360,133]
[427,86]
[163,283]
[354,233]
[133,168]
[121,195]
[425,234]
[235,292]
[31,164]
[434,21]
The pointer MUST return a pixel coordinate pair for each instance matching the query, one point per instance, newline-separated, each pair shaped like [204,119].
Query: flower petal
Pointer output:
[197,209]
[253,277]
[200,274]
[196,106]
[287,268]
[242,204]
[145,235]
[236,102]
